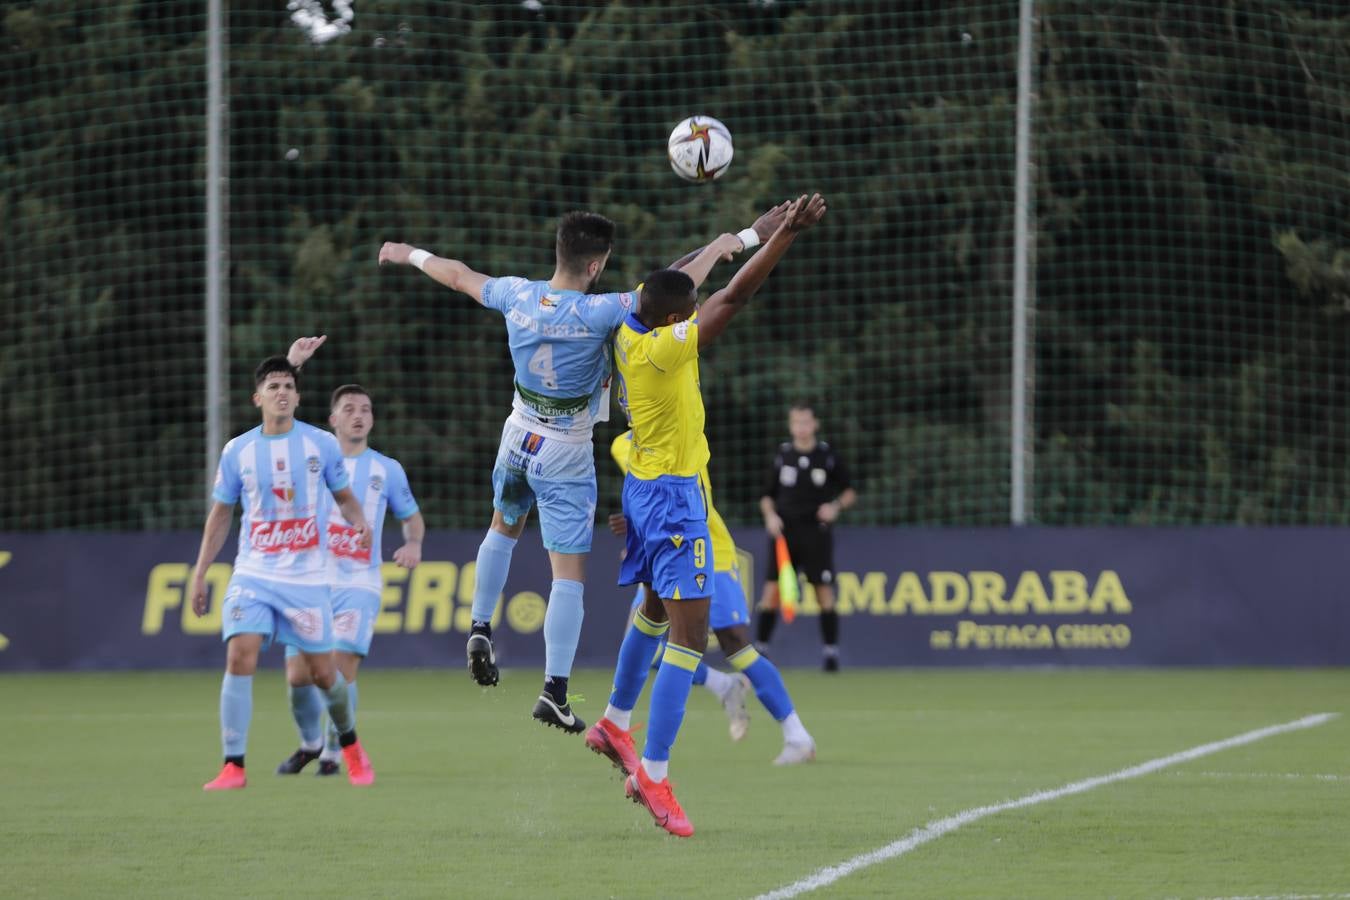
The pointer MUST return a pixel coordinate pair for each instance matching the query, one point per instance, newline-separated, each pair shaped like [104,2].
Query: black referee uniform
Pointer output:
[799,483]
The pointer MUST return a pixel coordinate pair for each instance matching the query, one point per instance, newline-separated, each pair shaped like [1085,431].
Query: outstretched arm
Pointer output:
[722,306]
[721,250]
[698,264]
[450,272]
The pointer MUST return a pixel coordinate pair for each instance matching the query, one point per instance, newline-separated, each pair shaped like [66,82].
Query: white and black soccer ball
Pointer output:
[700,149]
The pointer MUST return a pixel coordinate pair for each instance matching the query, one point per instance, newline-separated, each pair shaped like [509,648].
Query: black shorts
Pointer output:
[811,546]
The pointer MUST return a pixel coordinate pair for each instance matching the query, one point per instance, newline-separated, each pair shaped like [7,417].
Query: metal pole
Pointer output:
[1022,459]
[216,250]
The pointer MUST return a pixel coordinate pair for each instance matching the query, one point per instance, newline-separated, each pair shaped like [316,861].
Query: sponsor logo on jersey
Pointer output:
[700,579]
[677,540]
[548,302]
[376,484]
[344,542]
[532,443]
[286,535]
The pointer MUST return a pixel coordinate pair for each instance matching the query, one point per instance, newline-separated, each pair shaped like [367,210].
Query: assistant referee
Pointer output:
[806,490]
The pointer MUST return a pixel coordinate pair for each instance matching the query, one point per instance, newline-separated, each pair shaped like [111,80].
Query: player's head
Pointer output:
[276,388]
[583,243]
[351,414]
[802,423]
[668,296]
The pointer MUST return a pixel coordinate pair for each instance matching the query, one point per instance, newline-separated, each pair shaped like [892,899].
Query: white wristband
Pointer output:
[749,238]
[419,258]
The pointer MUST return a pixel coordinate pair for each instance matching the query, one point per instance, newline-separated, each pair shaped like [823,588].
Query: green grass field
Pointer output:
[100,791]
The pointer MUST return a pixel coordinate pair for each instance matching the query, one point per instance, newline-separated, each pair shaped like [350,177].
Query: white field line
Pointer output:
[1284,776]
[936,829]
[1285,897]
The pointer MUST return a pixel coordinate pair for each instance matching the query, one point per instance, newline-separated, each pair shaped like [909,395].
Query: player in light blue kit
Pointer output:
[279,471]
[559,335]
[379,484]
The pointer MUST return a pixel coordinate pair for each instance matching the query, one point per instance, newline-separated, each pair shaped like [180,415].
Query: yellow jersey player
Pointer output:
[728,618]
[668,545]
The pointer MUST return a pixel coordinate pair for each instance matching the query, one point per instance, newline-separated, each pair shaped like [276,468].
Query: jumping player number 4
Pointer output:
[541,364]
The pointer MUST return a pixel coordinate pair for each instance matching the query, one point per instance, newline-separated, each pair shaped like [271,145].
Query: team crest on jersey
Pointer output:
[281,464]
[284,494]
[314,464]
[677,540]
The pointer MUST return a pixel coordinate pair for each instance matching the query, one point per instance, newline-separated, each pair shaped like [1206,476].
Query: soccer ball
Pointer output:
[700,149]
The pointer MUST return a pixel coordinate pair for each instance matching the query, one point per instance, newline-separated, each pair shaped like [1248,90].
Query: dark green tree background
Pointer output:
[1192,261]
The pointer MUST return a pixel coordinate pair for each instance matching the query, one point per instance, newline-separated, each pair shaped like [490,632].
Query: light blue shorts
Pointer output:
[354,612]
[728,601]
[557,476]
[297,615]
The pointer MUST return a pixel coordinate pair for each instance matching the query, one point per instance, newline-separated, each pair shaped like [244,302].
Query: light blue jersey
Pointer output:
[281,480]
[379,483]
[560,345]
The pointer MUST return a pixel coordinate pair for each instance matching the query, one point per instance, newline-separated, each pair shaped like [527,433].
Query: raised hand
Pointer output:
[804,213]
[395,254]
[728,246]
[768,222]
[303,349]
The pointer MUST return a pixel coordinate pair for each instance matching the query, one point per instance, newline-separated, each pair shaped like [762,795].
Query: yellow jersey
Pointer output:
[724,548]
[659,390]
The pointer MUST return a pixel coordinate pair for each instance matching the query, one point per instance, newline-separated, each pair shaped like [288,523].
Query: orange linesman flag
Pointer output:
[788,591]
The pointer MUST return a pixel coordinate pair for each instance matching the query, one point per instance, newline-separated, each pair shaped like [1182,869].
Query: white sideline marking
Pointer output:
[1287,897]
[1287,776]
[936,829]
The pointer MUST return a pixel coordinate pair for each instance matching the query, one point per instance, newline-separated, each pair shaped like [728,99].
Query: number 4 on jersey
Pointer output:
[541,364]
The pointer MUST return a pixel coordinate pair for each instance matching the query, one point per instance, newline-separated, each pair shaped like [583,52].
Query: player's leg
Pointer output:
[680,548]
[650,785]
[305,621]
[768,602]
[348,664]
[247,624]
[819,571]
[307,708]
[236,709]
[565,493]
[338,700]
[798,746]
[354,612]
[612,736]
[727,611]
[511,502]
